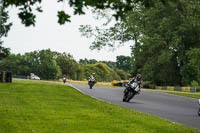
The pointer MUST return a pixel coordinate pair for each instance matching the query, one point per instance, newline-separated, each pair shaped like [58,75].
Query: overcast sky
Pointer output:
[49,34]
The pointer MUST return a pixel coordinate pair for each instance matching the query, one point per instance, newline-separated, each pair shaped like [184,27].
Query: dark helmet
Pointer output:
[139,77]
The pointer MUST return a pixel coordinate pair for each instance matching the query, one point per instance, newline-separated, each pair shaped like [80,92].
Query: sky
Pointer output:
[48,34]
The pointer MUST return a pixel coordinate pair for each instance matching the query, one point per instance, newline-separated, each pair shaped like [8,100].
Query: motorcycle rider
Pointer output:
[137,79]
[64,79]
[92,78]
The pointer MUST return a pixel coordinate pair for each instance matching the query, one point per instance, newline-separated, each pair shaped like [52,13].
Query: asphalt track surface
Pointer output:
[175,108]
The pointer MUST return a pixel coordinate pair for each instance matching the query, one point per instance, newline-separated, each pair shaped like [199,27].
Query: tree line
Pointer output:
[164,33]
[50,65]
[165,38]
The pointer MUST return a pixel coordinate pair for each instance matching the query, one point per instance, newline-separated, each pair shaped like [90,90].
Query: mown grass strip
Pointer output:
[29,106]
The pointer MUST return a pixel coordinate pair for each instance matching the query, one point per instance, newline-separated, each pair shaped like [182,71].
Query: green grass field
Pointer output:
[38,107]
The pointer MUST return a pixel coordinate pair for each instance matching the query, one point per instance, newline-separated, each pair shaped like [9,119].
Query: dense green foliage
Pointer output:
[48,64]
[124,63]
[68,65]
[123,75]
[87,61]
[4,28]
[102,71]
[165,38]
[3,51]
[27,8]
[106,70]
[40,107]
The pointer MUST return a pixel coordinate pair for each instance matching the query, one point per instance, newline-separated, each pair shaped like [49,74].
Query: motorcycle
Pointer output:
[91,82]
[130,91]
[64,80]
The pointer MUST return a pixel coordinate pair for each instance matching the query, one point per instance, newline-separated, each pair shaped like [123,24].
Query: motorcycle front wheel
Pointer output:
[91,84]
[130,95]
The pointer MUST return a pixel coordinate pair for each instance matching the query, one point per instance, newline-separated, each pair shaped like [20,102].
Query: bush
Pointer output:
[103,72]
[148,85]
[194,84]
[123,75]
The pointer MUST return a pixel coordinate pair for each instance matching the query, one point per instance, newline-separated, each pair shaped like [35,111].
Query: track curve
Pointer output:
[178,109]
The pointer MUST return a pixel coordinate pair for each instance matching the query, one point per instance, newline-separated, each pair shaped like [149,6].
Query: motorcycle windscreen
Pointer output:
[137,88]
[134,85]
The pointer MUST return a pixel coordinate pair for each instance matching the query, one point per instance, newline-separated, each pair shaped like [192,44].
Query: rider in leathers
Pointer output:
[137,79]
[92,78]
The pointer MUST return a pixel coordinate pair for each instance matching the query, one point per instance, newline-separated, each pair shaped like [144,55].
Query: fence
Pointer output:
[177,88]
[20,76]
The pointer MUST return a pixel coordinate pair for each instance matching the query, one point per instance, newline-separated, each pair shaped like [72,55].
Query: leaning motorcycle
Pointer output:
[130,91]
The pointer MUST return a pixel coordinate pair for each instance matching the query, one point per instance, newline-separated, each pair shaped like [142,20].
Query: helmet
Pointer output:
[93,73]
[139,77]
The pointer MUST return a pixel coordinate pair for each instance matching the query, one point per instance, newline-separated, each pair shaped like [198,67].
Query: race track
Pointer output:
[178,109]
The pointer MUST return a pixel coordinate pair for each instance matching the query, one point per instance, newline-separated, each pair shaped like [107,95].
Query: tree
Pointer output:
[3,51]
[16,64]
[191,70]
[68,65]
[123,75]
[119,8]
[102,71]
[124,63]
[161,36]
[111,64]
[4,28]
[86,61]
[10,63]
[43,64]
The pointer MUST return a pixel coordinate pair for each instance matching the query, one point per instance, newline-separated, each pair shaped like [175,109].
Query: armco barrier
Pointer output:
[185,89]
[192,89]
[177,88]
[164,88]
[170,88]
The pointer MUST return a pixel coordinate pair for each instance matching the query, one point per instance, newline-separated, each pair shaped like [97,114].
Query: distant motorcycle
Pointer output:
[64,80]
[91,82]
[130,91]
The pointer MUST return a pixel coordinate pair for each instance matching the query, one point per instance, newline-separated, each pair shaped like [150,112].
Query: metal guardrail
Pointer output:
[177,88]
[20,76]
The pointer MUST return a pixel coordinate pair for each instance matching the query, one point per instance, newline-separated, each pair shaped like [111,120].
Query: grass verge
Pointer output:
[31,106]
